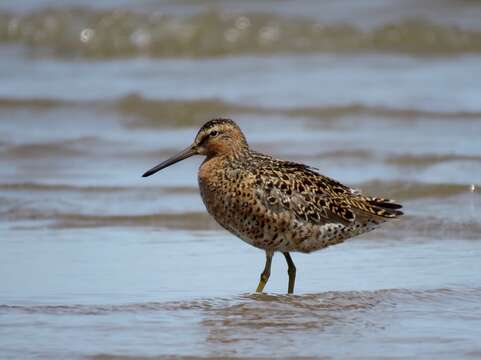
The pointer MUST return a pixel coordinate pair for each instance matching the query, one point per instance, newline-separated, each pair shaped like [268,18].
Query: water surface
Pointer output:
[97,262]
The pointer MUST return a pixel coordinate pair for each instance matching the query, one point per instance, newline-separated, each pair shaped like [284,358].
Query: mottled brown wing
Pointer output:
[286,186]
[312,197]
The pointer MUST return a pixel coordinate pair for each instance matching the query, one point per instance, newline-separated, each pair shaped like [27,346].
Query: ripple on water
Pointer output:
[282,325]
[282,306]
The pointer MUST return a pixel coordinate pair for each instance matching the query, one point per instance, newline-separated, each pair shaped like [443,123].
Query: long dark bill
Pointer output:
[174,159]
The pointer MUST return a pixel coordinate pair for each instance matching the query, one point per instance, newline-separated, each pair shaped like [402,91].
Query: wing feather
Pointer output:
[284,186]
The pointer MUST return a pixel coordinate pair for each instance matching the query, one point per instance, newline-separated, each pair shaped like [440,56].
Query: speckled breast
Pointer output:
[228,197]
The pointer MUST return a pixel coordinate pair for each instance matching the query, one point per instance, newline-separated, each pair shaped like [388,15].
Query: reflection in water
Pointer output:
[281,325]
[325,323]
[255,318]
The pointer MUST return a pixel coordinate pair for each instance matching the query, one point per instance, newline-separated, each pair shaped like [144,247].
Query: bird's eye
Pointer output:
[214,133]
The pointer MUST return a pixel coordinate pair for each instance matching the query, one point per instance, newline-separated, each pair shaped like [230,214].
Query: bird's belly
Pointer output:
[246,218]
[234,206]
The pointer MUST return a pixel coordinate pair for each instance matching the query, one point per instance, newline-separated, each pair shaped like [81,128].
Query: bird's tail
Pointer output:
[384,207]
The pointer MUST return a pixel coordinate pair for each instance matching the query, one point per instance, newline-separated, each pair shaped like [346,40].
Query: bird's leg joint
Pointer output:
[265,275]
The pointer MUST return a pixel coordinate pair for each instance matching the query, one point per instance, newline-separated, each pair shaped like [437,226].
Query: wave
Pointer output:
[405,190]
[421,228]
[411,227]
[40,150]
[426,160]
[419,222]
[31,186]
[125,33]
[337,301]
[143,112]
[64,220]
[193,112]
[38,104]
[400,190]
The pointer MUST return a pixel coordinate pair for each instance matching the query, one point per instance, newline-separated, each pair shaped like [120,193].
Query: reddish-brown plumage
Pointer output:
[278,205]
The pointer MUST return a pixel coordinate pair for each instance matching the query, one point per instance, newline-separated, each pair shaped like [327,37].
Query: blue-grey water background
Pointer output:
[97,262]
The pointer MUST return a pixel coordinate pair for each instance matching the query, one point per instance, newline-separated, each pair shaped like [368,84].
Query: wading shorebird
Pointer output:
[276,205]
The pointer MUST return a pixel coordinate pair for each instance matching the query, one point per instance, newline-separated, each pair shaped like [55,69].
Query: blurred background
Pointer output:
[95,261]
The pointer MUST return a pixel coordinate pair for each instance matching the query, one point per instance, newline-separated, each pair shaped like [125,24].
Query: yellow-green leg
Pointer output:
[266,273]
[291,271]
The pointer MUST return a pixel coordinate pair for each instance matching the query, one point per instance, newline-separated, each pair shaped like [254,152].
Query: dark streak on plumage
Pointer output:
[275,197]
[273,204]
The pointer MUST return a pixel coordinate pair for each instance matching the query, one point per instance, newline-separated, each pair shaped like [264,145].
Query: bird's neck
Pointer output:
[233,152]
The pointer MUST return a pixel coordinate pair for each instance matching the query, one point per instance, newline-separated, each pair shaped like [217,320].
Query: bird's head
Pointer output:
[216,137]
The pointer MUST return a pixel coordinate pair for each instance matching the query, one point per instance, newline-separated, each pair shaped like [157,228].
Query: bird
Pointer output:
[276,205]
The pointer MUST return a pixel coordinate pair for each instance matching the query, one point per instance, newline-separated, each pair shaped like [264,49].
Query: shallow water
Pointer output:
[97,262]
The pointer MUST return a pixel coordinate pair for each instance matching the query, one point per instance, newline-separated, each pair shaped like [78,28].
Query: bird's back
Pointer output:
[285,206]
